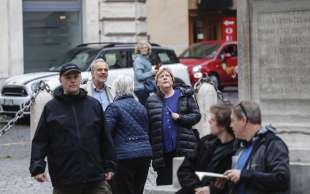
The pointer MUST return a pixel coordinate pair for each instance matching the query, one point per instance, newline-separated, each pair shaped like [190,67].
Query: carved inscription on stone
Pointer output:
[283,51]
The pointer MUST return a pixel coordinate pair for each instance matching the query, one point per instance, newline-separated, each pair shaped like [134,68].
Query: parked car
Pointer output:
[18,89]
[217,59]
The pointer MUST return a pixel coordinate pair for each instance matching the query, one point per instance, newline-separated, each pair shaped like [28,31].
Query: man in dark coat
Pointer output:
[261,165]
[71,134]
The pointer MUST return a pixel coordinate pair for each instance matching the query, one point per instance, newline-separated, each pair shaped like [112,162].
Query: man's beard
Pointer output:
[102,81]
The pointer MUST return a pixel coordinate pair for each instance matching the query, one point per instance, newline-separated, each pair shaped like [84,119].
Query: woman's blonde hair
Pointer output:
[161,71]
[140,44]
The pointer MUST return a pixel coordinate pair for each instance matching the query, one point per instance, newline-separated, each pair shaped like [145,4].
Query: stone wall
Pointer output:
[167,23]
[274,42]
[122,21]
[103,20]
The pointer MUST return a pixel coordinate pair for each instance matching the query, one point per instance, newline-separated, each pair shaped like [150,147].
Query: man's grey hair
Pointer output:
[99,60]
[122,85]
[248,110]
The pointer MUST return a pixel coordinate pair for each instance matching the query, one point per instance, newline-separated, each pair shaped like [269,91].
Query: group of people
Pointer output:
[252,158]
[102,140]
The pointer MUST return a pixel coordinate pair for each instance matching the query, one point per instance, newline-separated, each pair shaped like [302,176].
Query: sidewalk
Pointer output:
[14,164]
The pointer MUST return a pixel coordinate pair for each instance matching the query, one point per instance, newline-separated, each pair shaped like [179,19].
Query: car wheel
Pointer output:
[214,79]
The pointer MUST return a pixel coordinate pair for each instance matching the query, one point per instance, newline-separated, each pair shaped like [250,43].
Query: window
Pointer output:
[80,57]
[201,51]
[230,50]
[116,59]
[164,57]
[160,56]
[51,28]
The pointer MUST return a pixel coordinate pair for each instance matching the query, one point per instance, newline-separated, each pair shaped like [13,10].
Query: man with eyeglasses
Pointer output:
[261,166]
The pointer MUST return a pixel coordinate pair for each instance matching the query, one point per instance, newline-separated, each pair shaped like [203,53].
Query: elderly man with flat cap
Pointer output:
[71,134]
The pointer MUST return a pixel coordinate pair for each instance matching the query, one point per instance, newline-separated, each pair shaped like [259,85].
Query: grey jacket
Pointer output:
[142,71]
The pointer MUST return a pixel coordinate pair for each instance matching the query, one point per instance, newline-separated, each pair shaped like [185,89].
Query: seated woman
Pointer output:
[213,154]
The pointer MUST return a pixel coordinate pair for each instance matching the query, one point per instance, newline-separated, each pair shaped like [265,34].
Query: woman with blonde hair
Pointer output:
[143,72]
[172,112]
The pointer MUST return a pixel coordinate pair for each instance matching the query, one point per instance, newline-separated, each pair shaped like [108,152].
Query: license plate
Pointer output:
[8,101]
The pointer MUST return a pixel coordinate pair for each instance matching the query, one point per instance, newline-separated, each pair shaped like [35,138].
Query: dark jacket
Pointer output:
[127,121]
[267,169]
[210,156]
[71,134]
[186,141]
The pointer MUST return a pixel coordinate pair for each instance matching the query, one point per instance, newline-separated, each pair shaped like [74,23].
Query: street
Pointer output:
[15,156]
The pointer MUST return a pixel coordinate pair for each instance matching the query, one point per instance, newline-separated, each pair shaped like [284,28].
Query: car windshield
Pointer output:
[81,57]
[201,51]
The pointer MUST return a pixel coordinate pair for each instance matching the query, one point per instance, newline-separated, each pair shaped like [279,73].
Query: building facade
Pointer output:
[167,23]
[212,20]
[180,23]
[35,33]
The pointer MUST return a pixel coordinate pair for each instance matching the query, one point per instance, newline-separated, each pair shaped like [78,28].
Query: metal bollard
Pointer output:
[206,97]
[36,110]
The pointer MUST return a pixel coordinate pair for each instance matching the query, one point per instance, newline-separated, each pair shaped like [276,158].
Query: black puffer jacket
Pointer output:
[267,169]
[186,140]
[210,156]
[71,134]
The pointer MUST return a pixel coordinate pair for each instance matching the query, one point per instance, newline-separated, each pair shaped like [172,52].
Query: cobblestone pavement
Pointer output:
[15,178]
[14,163]
[14,160]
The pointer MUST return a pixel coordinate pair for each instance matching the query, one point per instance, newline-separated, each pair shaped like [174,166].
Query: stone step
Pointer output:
[299,179]
[168,189]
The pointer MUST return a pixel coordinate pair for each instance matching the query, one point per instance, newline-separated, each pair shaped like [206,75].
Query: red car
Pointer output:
[217,59]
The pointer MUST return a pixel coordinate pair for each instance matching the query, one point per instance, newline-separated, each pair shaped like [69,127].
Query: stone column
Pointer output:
[90,15]
[244,76]
[11,38]
[4,39]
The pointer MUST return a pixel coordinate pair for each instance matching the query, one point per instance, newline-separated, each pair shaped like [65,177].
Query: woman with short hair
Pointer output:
[214,154]
[127,121]
[172,113]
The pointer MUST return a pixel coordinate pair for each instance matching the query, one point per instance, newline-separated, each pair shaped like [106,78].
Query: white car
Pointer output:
[18,89]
